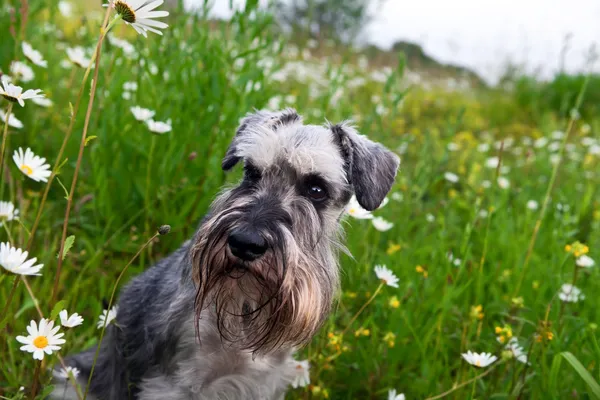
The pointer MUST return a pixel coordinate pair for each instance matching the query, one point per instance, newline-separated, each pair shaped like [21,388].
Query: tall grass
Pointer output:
[454,245]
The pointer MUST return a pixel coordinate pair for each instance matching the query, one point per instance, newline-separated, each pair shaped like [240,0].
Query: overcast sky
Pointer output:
[485,34]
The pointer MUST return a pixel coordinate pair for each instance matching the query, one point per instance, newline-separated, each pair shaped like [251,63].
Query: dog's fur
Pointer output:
[204,323]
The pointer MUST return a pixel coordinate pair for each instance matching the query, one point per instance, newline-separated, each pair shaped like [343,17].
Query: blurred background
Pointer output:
[493,107]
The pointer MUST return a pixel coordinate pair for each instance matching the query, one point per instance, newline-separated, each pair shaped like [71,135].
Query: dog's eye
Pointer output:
[316,193]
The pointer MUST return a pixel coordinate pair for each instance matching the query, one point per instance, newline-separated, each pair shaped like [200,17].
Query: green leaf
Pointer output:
[58,307]
[61,165]
[89,139]
[64,188]
[554,371]
[583,373]
[68,244]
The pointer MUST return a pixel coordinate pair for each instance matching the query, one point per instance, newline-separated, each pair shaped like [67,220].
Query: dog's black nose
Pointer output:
[247,246]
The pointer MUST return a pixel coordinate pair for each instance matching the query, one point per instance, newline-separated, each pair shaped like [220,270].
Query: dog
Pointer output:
[221,317]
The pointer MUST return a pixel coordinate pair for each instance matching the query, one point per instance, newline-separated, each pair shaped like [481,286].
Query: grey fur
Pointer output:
[204,324]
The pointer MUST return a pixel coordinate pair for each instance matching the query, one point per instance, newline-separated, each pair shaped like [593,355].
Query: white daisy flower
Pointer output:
[142,114]
[107,316]
[456,261]
[70,321]
[430,217]
[355,210]
[453,146]
[159,127]
[393,395]
[570,294]
[126,95]
[22,71]
[15,261]
[483,147]
[12,120]
[301,373]
[479,360]
[397,196]
[77,56]
[31,165]
[128,48]
[517,351]
[42,101]
[41,340]
[66,373]
[140,16]
[451,177]
[8,212]
[503,182]
[65,8]
[532,205]
[486,184]
[15,94]
[492,162]
[541,142]
[33,55]
[381,224]
[583,261]
[132,86]
[386,275]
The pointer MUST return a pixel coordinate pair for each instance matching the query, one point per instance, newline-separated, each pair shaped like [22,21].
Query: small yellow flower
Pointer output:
[503,333]
[452,193]
[577,249]
[535,285]
[394,302]
[393,248]
[390,339]
[518,302]
[419,269]
[351,295]
[362,332]
[477,312]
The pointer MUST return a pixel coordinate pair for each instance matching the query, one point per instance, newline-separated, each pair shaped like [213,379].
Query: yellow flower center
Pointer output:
[126,11]
[478,363]
[27,169]
[40,342]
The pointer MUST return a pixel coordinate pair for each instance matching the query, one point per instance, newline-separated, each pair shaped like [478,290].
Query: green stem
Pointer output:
[362,308]
[4,136]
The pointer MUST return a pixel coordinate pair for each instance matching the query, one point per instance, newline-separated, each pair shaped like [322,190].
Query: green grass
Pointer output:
[205,77]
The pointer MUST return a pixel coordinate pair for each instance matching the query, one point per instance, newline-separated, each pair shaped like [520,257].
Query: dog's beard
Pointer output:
[275,301]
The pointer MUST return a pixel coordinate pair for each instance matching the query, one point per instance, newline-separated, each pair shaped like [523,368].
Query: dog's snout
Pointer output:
[246,245]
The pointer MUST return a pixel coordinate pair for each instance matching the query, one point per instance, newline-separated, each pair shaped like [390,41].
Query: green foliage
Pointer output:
[454,245]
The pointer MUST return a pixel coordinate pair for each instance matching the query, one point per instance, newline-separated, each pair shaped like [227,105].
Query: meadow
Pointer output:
[496,206]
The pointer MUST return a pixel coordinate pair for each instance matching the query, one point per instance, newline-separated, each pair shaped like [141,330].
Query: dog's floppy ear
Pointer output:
[253,121]
[371,168]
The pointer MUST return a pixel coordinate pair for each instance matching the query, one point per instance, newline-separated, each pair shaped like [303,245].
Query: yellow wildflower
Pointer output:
[394,302]
[362,332]
[393,248]
[390,339]
[477,312]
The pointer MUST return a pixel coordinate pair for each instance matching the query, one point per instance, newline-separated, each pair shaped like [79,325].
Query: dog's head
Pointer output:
[265,257]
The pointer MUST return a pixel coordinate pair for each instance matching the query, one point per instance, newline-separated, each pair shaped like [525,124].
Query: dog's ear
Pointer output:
[253,122]
[371,168]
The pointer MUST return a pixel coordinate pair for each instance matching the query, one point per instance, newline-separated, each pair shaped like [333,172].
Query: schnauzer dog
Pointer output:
[221,317]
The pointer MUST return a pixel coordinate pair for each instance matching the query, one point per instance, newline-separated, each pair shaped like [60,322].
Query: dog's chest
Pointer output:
[211,370]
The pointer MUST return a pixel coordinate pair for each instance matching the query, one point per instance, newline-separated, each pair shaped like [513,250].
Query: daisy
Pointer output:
[503,182]
[128,48]
[8,212]
[65,8]
[42,340]
[450,177]
[140,16]
[32,165]
[158,126]
[66,373]
[22,71]
[33,55]
[14,260]
[355,210]
[301,374]
[479,360]
[492,162]
[107,316]
[516,350]
[570,294]
[381,224]
[583,261]
[70,321]
[12,120]
[386,276]
[532,205]
[142,114]
[42,101]
[15,94]
[77,56]
[131,86]
[393,395]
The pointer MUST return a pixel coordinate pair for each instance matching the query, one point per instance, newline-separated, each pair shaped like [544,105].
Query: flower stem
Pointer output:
[362,309]
[86,124]
[148,175]
[4,136]
[538,223]
[465,383]
[110,304]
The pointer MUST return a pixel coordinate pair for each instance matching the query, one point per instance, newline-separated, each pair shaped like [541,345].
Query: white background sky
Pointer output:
[485,34]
